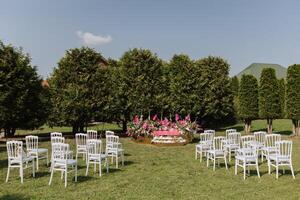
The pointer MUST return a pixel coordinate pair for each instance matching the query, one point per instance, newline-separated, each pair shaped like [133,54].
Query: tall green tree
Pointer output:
[138,84]
[22,99]
[186,92]
[269,99]
[218,98]
[293,96]
[248,100]
[282,91]
[78,88]
[235,84]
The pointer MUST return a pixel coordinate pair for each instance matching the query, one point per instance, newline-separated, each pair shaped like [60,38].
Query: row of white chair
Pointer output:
[246,149]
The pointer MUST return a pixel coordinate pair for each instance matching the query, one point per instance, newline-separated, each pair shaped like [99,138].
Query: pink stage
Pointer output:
[167,133]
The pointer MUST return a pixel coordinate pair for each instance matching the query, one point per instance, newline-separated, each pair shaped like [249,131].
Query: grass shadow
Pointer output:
[41,174]
[14,196]
[86,178]
[3,163]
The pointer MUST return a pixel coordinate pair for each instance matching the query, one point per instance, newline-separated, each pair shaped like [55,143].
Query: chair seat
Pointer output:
[280,158]
[217,152]
[246,158]
[203,146]
[269,149]
[69,162]
[39,150]
[25,159]
[232,146]
[257,145]
[97,157]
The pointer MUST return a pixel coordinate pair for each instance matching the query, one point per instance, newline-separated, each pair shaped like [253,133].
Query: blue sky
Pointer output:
[241,31]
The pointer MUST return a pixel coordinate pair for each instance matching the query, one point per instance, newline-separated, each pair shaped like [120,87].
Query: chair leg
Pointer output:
[51,175]
[276,170]
[244,166]
[37,162]
[117,162]
[66,175]
[21,172]
[100,168]
[207,160]
[229,155]
[257,169]
[107,166]
[87,168]
[214,167]
[292,170]
[76,171]
[7,175]
[235,167]
[225,161]
[269,166]
[200,156]
[33,168]
[47,159]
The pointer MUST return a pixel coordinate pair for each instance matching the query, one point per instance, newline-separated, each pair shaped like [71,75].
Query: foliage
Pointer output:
[248,100]
[281,88]
[235,84]
[23,100]
[293,96]
[78,86]
[269,100]
[217,104]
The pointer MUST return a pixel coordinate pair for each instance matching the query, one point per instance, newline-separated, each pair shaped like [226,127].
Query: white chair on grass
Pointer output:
[246,157]
[55,134]
[61,161]
[81,144]
[17,158]
[205,144]
[210,131]
[232,143]
[32,147]
[247,140]
[114,149]
[282,157]
[95,156]
[92,134]
[217,152]
[229,131]
[109,133]
[270,145]
[259,142]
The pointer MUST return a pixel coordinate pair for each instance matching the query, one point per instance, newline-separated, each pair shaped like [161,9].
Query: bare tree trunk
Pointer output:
[247,126]
[269,126]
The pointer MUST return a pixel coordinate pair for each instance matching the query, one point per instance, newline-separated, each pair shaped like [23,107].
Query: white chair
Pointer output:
[232,143]
[245,158]
[17,158]
[114,149]
[61,161]
[92,134]
[205,144]
[109,133]
[210,131]
[55,134]
[217,152]
[229,131]
[81,144]
[270,144]
[95,156]
[59,139]
[282,157]
[259,142]
[247,140]
[32,147]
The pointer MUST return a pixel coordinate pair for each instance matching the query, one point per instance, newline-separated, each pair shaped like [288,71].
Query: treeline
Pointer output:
[85,87]
[268,98]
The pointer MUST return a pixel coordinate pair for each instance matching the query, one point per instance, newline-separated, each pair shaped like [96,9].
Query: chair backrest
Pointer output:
[60,152]
[109,133]
[94,147]
[206,137]
[32,142]
[229,131]
[284,148]
[57,140]
[218,143]
[260,136]
[92,134]
[55,134]
[210,131]
[271,139]
[234,138]
[247,152]
[81,139]
[112,141]
[14,150]
[246,140]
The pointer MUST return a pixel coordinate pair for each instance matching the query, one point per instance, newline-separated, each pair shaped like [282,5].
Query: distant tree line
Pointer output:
[85,87]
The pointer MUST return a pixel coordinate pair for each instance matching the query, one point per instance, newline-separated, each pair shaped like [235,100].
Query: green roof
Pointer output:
[256,68]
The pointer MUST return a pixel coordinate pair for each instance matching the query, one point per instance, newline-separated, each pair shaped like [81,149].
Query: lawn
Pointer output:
[152,172]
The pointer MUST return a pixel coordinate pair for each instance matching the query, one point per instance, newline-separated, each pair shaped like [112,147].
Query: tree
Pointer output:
[22,97]
[234,84]
[186,93]
[293,96]
[248,100]
[269,99]
[137,87]
[281,88]
[217,105]
[78,88]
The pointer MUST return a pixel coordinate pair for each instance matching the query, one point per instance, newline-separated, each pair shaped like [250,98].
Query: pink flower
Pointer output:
[145,125]
[154,118]
[188,117]
[177,117]
[136,120]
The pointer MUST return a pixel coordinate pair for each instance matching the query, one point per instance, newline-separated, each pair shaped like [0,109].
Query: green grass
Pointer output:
[152,172]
